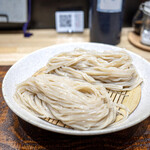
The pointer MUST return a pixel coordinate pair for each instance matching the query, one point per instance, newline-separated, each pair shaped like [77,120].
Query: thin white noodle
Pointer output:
[72,89]
[114,69]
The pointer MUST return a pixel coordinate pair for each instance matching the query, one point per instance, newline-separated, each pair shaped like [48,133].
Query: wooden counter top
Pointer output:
[14,46]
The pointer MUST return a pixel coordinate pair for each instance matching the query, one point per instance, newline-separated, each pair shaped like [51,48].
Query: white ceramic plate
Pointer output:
[27,66]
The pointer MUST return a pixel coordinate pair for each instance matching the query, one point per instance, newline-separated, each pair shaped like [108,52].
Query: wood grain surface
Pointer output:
[13,46]
[18,134]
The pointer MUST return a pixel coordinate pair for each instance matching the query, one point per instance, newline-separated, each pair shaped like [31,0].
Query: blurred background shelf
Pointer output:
[47,8]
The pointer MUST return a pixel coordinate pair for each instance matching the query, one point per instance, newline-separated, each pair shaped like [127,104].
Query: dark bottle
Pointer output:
[105,21]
